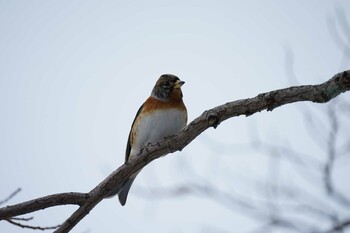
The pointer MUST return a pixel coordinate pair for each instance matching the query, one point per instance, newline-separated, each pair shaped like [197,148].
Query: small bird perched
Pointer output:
[162,115]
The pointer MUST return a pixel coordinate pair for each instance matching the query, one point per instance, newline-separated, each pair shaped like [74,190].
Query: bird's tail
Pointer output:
[123,193]
[122,189]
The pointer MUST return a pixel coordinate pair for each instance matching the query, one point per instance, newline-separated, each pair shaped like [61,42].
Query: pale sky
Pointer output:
[74,73]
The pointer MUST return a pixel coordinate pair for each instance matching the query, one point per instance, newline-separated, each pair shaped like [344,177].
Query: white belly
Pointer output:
[153,129]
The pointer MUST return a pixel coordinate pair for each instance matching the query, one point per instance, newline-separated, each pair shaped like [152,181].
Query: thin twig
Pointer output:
[23,219]
[10,196]
[31,227]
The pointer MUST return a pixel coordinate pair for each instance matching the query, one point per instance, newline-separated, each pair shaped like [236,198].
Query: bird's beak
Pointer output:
[178,84]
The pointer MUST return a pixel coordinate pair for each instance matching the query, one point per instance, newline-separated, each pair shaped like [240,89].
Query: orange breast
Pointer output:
[175,101]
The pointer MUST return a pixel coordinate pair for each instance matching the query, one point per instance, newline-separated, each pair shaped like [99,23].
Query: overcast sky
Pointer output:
[74,73]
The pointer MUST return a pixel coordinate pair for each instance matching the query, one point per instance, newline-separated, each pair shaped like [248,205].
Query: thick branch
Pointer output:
[43,203]
[212,118]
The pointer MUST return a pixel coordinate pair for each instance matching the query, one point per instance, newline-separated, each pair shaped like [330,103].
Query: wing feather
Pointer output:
[128,145]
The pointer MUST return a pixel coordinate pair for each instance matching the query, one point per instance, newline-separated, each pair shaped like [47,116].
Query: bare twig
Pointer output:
[31,227]
[328,168]
[23,219]
[10,196]
[342,43]
[331,157]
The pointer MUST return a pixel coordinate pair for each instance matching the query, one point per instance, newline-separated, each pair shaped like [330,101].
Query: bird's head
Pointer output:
[168,86]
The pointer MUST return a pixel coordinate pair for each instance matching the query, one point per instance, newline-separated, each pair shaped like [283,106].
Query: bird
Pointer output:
[162,115]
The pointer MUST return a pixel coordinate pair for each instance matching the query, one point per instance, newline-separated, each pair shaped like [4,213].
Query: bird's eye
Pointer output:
[166,85]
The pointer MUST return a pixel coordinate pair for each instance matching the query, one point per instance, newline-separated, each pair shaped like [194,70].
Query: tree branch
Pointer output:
[211,118]
[43,203]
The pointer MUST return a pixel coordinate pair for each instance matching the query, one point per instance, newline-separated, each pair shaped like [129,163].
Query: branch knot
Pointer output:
[213,119]
[270,101]
[344,79]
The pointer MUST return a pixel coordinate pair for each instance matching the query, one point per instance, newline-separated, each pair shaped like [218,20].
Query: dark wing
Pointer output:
[128,145]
